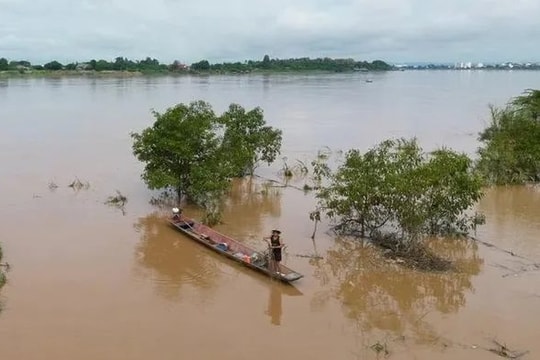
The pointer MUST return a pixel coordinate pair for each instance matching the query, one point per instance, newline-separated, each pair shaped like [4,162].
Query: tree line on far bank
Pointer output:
[151,65]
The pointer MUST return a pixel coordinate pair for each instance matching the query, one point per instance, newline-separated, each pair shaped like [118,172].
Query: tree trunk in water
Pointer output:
[179,194]
[315,249]
[314,230]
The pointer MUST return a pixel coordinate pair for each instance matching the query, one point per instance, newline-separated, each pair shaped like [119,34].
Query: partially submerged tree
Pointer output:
[529,101]
[2,267]
[511,143]
[179,143]
[395,188]
[196,153]
[248,139]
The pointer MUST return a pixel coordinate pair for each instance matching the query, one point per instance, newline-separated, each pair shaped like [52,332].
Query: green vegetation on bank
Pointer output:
[194,152]
[150,65]
[2,274]
[510,151]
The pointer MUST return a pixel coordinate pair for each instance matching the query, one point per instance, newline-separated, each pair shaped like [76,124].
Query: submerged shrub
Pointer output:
[510,151]
[396,188]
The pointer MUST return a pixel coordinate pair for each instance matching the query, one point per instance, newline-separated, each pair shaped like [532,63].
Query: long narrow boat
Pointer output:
[232,249]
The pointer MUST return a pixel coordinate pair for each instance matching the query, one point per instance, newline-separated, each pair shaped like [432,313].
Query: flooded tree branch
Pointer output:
[119,201]
[531,266]
[503,351]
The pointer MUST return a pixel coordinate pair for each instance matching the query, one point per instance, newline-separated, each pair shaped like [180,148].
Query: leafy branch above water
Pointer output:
[195,152]
[510,152]
[75,185]
[3,267]
[119,201]
[397,195]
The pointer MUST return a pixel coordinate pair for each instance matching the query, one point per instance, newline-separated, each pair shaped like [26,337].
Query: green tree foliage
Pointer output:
[529,103]
[266,62]
[101,65]
[294,64]
[71,66]
[53,65]
[201,65]
[150,65]
[147,65]
[15,65]
[510,151]
[248,139]
[181,144]
[177,66]
[396,188]
[122,64]
[4,64]
[2,274]
[196,153]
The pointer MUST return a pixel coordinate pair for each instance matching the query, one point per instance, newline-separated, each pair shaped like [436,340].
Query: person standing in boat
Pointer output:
[276,245]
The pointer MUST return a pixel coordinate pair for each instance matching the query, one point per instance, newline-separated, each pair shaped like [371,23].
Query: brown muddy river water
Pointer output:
[91,283]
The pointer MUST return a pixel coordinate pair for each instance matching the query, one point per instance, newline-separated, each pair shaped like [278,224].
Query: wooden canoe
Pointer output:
[233,249]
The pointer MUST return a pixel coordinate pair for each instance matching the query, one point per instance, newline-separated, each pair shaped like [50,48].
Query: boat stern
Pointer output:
[292,276]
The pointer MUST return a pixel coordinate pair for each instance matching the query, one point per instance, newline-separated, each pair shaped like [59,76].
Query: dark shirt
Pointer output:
[276,249]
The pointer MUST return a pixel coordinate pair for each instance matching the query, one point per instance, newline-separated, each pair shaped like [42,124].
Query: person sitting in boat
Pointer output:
[275,243]
[176,211]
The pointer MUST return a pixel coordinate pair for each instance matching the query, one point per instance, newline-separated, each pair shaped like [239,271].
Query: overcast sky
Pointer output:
[229,30]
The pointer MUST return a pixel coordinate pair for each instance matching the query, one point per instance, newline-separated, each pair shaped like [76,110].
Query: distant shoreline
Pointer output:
[124,67]
[132,74]
[13,74]
[69,73]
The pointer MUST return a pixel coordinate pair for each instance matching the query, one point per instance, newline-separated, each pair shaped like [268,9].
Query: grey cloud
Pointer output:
[189,30]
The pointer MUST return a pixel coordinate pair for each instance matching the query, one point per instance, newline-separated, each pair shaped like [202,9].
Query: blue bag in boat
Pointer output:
[222,246]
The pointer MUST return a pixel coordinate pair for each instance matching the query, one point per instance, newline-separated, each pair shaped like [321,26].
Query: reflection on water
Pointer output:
[54,82]
[252,197]
[244,209]
[173,260]
[276,290]
[520,202]
[274,305]
[512,213]
[248,205]
[266,82]
[388,297]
